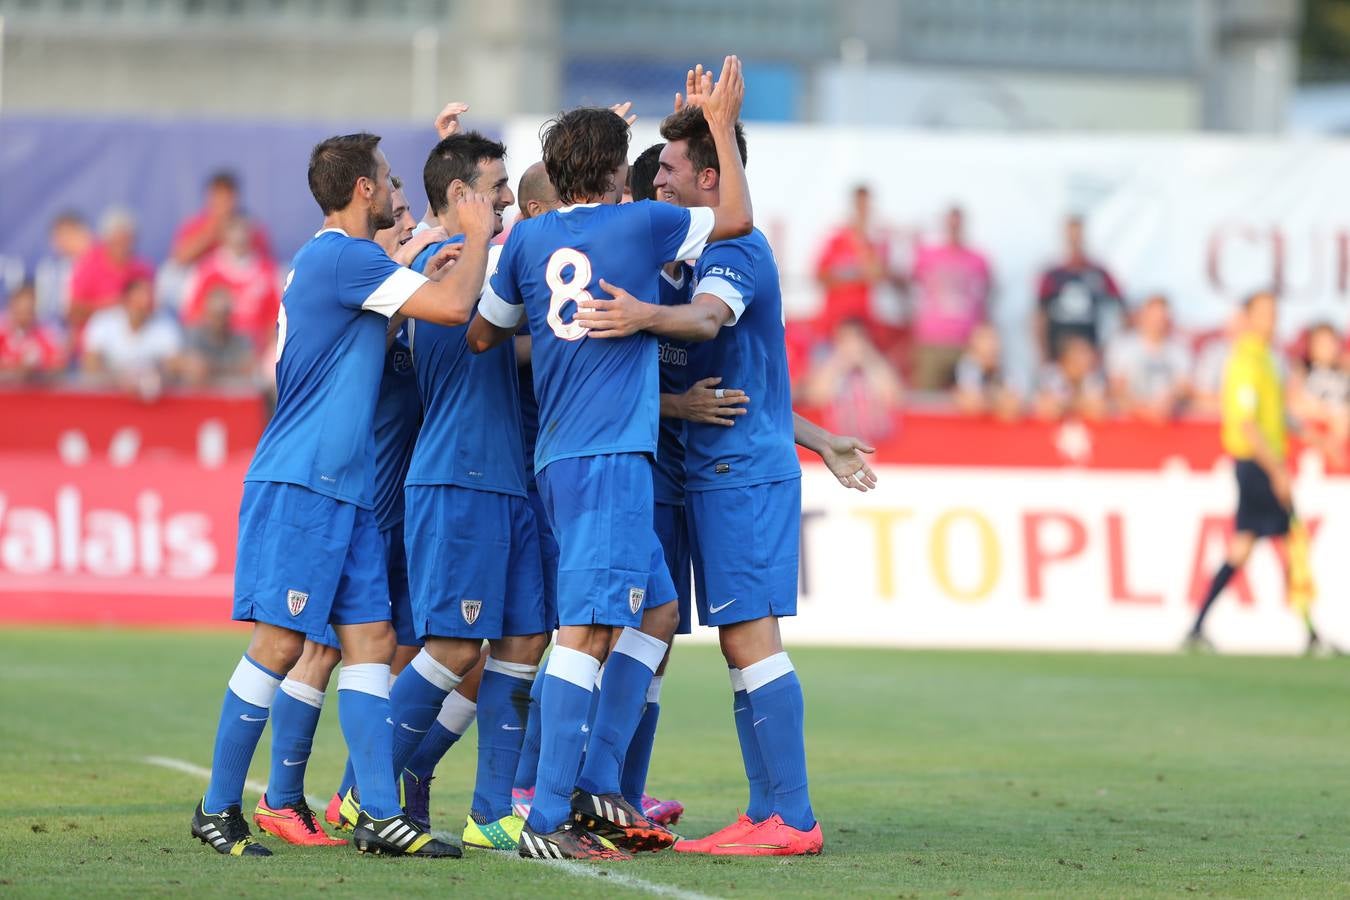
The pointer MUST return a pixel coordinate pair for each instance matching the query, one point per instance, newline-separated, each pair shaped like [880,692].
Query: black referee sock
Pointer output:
[1216,586]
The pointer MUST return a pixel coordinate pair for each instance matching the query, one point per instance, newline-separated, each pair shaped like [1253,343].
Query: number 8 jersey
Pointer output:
[595,396]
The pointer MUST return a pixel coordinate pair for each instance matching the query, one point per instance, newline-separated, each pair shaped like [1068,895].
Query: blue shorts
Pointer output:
[746,544]
[610,564]
[305,560]
[548,553]
[1258,511]
[400,604]
[674,537]
[473,563]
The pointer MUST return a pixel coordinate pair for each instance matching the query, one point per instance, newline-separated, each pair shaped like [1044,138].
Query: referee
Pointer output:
[1254,435]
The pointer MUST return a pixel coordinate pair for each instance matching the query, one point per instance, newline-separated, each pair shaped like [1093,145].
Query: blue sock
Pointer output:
[363,710]
[623,694]
[566,696]
[243,716]
[417,696]
[776,701]
[760,805]
[456,715]
[529,748]
[348,778]
[295,715]
[505,699]
[633,780]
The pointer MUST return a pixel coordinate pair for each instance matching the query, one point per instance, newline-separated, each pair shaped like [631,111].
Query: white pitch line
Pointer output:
[571,867]
[182,765]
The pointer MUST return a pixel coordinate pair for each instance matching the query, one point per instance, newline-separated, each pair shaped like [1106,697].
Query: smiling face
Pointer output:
[493,182]
[676,181]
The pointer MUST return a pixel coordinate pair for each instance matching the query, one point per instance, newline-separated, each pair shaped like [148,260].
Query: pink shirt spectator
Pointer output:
[951,288]
[99,280]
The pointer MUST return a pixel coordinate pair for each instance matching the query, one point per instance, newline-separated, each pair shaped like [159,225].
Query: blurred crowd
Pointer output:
[1099,352]
[98,315]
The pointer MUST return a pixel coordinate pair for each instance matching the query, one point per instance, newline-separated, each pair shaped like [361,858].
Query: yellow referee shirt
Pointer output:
[1252,393]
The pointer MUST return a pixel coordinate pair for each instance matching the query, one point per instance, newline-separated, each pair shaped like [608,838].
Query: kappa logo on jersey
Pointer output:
[635,598]
[470,610]
[295,601]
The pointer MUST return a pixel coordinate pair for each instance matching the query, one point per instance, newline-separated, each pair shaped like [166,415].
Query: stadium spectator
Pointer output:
[1076,297]
[951,286]
[216,352]
[127,345]
[69,239]
[1072,386]
[1319,394]
[982,386]
[852,264]
[103,274]
[29,350]
[247,276]
[205,230]
[1149,367]
[853,385]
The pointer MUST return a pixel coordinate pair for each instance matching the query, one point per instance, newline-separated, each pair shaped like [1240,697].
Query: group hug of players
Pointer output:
[515,445]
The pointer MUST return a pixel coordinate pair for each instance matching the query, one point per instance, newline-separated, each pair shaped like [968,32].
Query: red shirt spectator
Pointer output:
[28,349]
[102,275]
[248,276]
[852,262]
[204,231]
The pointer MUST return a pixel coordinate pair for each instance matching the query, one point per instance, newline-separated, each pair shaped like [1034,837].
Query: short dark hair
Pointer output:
[643,171]
[335,165]
[582,150]
[223,178]
[689,125]
[69,217]
[396,182]
[456,158]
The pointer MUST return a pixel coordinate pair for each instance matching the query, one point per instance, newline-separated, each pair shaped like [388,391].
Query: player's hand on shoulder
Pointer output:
[617,317]
[709,404]
[423,239]
[476,217]
[442,261]
[844,457]
[447,120]
[723,104]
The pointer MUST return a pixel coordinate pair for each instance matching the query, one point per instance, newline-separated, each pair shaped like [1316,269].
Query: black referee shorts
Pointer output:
[1258,511]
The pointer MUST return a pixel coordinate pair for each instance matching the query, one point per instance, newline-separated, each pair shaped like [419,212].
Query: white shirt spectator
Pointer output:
[125,350]
[1149,371]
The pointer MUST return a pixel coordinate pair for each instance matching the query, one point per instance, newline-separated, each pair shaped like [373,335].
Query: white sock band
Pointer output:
[305,693]
[252,685]
[769,669]
[573,666]
[654,690]
[643,647]
[510,669]
[434,672]
[368,678]
[457,713]
[737,680]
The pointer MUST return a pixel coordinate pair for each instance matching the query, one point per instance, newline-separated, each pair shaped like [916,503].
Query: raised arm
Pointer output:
[721,104]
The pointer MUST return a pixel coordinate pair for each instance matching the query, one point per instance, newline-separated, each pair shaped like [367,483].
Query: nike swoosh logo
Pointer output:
[758,846]
[718,609]
[513,728]
[757,721]
[741,709]
[298,762]
[253,719]
[412,729]
[388,721]
[585,729]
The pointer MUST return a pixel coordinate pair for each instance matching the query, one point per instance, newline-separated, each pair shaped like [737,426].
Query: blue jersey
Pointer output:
[595,396]
[331,336]
[471,423]
[668,470]
[398,412]
[749,354]
[529,413]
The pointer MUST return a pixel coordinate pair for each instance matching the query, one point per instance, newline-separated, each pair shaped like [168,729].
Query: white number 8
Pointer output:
[561,291]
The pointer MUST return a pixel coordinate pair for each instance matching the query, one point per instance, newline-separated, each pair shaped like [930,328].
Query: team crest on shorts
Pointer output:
[635,598]
[470,610]
[295,601]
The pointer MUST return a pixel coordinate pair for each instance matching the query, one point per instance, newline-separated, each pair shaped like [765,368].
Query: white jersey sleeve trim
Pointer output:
[725,291]
[393,292]
[498,311]
[701,221]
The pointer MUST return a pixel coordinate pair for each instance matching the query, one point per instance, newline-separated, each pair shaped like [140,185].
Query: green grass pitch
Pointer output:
[935,775]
